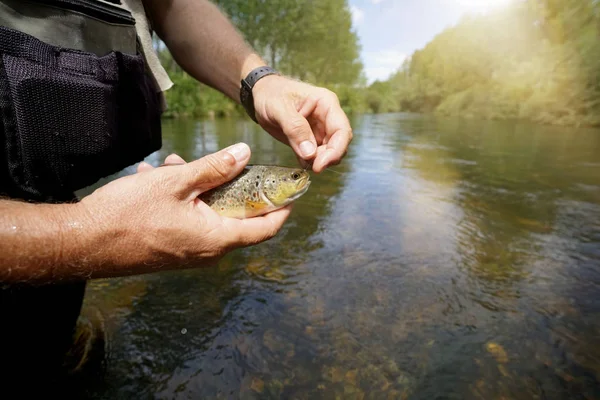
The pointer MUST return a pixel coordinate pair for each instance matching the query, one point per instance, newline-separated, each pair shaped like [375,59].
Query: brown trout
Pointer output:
[258,190]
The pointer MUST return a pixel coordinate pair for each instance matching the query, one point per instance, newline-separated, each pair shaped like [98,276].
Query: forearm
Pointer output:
[30,240]
[53,243]
[41,242]
[204,42]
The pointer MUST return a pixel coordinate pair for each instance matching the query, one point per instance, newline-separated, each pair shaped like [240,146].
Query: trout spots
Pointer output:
[263,189]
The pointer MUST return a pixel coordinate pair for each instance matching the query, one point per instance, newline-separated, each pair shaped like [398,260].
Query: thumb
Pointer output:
[214,169]
[297,130]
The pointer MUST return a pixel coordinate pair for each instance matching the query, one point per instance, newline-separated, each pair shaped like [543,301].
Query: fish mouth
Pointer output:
[303,187]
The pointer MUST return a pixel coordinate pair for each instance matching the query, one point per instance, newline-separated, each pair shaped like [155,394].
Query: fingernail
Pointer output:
[307,148]
[239,151]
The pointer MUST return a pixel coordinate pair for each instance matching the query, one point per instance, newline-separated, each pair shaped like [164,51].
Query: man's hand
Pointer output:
[158,220]
[208,47]
[149,221]
[309,119]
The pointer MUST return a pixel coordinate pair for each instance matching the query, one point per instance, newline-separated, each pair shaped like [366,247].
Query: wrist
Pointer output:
[106,244]
[113,244]
[247,92]
[251,62]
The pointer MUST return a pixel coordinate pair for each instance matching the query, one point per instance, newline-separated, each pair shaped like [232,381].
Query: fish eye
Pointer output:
[296,175]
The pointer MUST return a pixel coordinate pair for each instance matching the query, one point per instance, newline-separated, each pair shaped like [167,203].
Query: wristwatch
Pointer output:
[248,83]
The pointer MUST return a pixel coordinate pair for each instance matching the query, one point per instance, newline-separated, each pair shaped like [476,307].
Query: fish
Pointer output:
[257,190]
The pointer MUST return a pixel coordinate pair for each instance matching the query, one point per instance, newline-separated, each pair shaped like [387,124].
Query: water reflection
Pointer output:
[444,258]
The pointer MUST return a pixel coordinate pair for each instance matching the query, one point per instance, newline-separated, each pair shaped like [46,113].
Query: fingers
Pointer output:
[333,152]
[297,130]
[214,169]
[316,127]
[144,166]
[338,132]
[173,159]
[251,231]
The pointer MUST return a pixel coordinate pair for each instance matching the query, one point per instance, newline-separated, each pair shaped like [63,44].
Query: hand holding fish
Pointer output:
[157,221]
[307,118]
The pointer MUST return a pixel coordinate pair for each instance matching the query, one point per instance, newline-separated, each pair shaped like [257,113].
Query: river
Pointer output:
[444,258]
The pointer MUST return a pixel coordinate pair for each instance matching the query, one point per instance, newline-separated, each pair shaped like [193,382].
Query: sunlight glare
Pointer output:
[480,6]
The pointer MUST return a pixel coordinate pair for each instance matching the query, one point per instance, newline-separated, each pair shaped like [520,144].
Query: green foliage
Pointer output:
[535,59]
[351,99]
[189,98]
[305,39]
[379,98]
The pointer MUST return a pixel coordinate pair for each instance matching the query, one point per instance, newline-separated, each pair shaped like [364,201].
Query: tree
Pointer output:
[534,59]
[306,39]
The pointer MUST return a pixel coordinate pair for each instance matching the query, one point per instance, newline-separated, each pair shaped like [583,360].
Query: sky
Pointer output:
[391,30]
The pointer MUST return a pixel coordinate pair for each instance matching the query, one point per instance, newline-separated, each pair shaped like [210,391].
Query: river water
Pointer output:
[444,258]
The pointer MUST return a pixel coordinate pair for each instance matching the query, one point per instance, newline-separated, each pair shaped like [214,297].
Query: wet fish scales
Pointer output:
[258,190]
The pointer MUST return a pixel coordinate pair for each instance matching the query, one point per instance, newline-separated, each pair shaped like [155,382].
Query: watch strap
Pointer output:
[248,83]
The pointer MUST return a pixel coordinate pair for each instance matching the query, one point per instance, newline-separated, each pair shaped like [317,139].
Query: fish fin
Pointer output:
[256,205]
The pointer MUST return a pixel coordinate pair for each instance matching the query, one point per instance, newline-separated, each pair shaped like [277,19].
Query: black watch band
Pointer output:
[248,83]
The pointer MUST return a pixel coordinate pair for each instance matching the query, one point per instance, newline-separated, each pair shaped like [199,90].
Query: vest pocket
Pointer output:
[70,117]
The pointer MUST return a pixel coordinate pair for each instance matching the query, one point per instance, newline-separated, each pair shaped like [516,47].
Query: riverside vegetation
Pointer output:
[536,60]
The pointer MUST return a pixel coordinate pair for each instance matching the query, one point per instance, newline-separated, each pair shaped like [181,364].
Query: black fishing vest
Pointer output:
[77,103]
